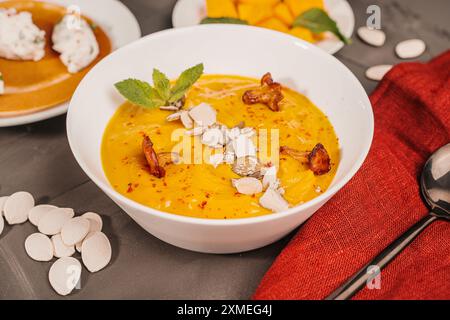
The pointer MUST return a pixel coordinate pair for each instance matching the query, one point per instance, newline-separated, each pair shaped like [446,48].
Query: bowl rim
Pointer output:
[106,187]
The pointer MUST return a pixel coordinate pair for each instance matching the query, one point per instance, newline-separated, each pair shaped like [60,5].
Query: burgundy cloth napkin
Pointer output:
[412,119]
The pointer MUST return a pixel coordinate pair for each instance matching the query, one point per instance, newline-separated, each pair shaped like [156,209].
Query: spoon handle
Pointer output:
[361,278]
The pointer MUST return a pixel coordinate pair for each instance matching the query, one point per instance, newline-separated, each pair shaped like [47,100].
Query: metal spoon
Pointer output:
[435,186]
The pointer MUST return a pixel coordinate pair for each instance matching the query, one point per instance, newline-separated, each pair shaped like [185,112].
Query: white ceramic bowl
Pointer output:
[225,49]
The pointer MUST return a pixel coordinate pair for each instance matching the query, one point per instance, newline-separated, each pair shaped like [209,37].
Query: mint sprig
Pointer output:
[143,94]
[162,84]
[185,81]
[138,92]
[318,21]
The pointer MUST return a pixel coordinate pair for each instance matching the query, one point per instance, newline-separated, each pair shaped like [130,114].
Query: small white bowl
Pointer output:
[188,13]
[224,49]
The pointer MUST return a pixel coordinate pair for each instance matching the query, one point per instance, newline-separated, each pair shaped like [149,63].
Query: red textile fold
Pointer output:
[412,119]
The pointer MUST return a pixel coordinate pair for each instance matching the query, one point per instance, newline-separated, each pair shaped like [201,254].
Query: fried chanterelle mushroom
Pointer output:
[269,93]
[152,158]
[318,159]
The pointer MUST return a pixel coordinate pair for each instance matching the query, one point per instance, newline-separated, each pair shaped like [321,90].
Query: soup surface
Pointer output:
[201,190]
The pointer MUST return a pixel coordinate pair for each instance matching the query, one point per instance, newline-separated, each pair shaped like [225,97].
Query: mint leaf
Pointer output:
[209,20]
[139,93]
[318,21]
[185,81]
[162,84]
[143,94]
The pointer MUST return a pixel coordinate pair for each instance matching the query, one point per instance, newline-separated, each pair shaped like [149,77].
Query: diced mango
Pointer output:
[221,8]
[253,13]
[274,24]
[283,13]
[299,6]
[263,2]
[303,33]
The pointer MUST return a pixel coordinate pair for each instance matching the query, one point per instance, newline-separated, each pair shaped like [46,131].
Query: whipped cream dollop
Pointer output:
[20,38]
[74,39]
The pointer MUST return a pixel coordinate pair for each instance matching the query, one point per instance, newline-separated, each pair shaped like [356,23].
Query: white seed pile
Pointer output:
[407,49]
[68,235]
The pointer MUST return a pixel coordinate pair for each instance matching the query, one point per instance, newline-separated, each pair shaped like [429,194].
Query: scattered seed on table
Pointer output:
[2,224]
[17,206]
[39,247]
[68,233]
[60,249]
[64,275]
[2,204]
[96,251]
[38,212]
[97,223]
[409,49]
[377,72]
[52,222]
[371,36]
[75,230]
[80,244]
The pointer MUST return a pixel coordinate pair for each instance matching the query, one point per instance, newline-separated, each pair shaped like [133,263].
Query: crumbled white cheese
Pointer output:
[224,130]
[272,200]
[213,137]
[216,159]
[74,39]
[270,177]
[186,120]
[233,133]
[197,131]
[229,155]
[20,38]
[248,132]
[243,147]
[174,116]
[169,108]
[203,115]
[247,185]
[238,144]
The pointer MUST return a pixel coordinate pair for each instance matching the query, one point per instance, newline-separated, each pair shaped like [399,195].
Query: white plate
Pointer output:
[115,19]
[191,12]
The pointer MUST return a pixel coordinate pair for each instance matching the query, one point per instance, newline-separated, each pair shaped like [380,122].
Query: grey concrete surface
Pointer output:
[37,158]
